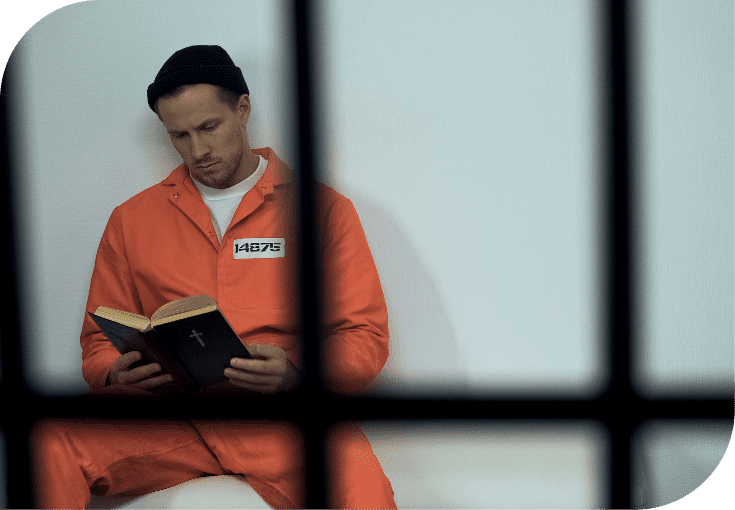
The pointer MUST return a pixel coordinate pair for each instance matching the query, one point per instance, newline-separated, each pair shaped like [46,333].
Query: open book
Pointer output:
[189,337]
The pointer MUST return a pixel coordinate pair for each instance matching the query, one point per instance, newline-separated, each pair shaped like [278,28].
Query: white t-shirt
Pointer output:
[223,203]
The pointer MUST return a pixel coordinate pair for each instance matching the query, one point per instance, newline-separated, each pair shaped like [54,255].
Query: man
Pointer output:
[177,239]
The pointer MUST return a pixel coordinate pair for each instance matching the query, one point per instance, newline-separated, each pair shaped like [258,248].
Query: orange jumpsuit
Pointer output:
[159,246]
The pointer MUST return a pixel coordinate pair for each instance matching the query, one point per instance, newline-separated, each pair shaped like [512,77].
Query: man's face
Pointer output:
[209,136]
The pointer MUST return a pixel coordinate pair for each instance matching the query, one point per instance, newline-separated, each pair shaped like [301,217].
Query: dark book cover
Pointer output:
[195,350]
[204,343]
[127,339]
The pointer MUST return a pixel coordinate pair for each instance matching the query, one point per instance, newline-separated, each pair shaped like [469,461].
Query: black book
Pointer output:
[189,337]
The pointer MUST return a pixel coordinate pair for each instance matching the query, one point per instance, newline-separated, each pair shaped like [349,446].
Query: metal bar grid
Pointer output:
[619,409]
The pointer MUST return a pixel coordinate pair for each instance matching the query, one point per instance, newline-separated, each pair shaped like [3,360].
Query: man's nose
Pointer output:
[199,148]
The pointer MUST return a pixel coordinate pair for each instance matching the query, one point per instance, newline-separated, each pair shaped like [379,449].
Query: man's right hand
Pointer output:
[140,377]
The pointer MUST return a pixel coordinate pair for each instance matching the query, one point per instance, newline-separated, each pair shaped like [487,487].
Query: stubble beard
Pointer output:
[229,176]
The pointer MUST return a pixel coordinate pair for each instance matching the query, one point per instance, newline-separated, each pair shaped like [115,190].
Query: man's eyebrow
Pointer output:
[200,126]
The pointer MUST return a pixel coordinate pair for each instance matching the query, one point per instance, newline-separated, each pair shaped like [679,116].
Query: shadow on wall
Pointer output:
[162,157]
[425,356]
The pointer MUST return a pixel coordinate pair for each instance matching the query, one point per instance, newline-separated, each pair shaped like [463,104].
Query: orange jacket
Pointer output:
[160,245]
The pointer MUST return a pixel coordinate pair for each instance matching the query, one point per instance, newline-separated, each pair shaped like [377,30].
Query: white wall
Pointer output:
[686,93]
[686,158]
[465,132]
[466,135]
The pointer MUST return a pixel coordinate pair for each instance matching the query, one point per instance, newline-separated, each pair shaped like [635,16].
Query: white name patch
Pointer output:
[259,248]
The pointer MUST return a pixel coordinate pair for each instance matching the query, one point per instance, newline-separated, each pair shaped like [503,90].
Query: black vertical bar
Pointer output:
[619,248]
[13,392]
[314,425]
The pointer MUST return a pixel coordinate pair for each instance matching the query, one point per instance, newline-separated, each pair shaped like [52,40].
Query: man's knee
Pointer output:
[50,442]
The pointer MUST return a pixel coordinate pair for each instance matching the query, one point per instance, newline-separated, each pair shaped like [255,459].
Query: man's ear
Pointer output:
[243,108]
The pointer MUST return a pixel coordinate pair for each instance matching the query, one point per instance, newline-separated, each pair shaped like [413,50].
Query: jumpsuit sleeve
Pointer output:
[355,313]
[112,286]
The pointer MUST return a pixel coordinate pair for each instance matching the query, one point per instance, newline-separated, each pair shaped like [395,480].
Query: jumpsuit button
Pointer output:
[176,195]
[211,232]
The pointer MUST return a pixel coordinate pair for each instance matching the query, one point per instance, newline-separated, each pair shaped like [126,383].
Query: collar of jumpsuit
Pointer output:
[186,196]
[223,203]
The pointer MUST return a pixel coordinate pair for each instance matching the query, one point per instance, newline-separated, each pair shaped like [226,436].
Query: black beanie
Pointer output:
[197,64]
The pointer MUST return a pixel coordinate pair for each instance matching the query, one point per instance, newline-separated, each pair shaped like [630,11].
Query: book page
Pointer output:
[184,307]
[130,319]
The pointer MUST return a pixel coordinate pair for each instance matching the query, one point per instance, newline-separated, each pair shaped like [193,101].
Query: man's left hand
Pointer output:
[270,371]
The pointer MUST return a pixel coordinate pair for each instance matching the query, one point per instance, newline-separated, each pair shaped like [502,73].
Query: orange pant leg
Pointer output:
[74,457]
[270,456]
[358,480]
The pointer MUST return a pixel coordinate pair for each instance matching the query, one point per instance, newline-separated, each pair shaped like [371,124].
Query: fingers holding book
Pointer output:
[141,377]
[270,371]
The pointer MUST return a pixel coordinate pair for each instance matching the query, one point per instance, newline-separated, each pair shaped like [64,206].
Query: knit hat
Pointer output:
[197,64]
